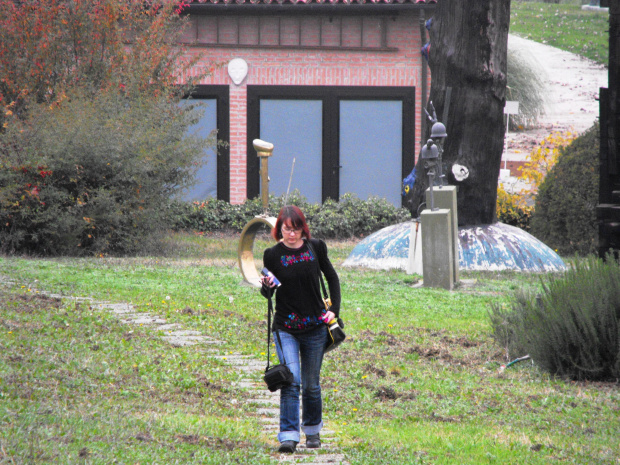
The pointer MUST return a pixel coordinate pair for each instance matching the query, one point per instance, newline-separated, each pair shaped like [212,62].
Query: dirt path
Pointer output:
[572,89]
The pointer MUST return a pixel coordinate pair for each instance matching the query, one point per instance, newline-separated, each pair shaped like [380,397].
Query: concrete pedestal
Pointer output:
[445,197]
[414,257]
[437,248]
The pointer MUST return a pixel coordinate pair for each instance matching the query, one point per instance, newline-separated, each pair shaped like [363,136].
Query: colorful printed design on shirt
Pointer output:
[297,322]
[292,259]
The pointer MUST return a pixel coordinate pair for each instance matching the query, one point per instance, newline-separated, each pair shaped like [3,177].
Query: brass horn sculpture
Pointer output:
[246,241]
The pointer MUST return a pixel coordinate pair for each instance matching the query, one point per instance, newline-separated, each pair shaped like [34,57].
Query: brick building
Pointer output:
[335,85]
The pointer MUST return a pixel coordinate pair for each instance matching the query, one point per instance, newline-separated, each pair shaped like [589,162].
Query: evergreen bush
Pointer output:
[571,329]
[92,137]
[93,176]
[349,217]
[565,212]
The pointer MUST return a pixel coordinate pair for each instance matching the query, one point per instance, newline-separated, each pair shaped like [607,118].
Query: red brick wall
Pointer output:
[515,167]
[299,66]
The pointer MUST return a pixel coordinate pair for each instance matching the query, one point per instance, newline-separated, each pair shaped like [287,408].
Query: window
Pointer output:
[213,177]
[290,31]
[344,139]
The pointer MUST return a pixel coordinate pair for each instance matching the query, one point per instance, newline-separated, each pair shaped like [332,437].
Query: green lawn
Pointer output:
[565,26]
[418,380]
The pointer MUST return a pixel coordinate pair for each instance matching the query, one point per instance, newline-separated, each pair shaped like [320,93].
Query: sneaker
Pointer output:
[288,447]
[313,441]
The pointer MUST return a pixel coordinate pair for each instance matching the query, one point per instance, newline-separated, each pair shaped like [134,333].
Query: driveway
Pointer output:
[572,86]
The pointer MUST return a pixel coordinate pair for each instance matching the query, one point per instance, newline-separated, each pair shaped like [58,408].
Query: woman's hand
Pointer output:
[329,316]
[267,281]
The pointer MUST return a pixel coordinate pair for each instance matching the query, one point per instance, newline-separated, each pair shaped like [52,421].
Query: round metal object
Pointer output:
[430,151]
[264,149]
[246,247]
[460,172]
[438,130]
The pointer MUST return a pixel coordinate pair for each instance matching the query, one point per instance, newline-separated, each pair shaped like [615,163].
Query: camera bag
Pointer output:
[278,376]
[336,335]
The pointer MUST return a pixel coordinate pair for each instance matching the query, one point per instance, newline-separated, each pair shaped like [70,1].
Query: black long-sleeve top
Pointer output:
[298,300]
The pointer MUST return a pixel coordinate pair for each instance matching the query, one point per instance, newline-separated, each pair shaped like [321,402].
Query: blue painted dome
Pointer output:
[496,246]
[499,246]
[385,249]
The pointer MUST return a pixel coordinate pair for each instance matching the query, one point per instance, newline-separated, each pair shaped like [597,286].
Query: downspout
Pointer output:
[424,73]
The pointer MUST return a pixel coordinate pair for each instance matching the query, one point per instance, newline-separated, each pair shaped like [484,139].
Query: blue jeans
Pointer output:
[307,348]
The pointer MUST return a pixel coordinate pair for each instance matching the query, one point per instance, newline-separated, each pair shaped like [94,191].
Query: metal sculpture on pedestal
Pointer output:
[438,134]
[479,247]
[439,222]
[430,155]
[246,241]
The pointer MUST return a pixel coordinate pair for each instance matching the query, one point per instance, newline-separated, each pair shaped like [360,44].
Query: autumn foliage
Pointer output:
[517,208]
[49,48]
[92,140]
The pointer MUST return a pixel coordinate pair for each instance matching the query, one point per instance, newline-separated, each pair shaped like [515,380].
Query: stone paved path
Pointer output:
[269,402]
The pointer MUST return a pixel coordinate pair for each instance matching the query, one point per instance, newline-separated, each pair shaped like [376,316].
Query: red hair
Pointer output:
[293,215]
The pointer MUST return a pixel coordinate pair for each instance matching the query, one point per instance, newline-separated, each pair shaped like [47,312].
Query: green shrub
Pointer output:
[349,217]
[93,175]
[505,323]
[571,329]
[353,217]
[565,213]
[92,139]
[213,215]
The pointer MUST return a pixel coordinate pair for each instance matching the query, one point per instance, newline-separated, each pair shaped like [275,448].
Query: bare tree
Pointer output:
[468,63]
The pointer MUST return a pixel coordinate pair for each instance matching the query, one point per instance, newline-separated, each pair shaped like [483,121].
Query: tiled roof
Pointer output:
[307,2]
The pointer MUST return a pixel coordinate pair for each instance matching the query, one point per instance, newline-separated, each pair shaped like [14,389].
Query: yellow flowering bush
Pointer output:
[544,156]
[516,209]
[513,209]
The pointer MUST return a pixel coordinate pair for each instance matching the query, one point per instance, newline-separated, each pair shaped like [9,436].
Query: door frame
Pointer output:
[331,97]
[221,94]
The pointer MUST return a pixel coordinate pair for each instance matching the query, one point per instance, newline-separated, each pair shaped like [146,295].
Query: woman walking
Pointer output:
[300,318]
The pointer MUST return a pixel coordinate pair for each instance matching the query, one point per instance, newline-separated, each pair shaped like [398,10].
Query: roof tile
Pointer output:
[344,2]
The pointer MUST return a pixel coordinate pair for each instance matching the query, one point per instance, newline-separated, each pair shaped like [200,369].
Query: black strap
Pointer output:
[325,294]
[269,311]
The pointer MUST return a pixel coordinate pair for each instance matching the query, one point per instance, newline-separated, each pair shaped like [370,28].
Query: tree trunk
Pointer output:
[609,157]
[468,62]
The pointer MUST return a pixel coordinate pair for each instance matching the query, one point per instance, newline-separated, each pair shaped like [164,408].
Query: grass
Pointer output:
[565,26]
[417,381]
[77,386]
